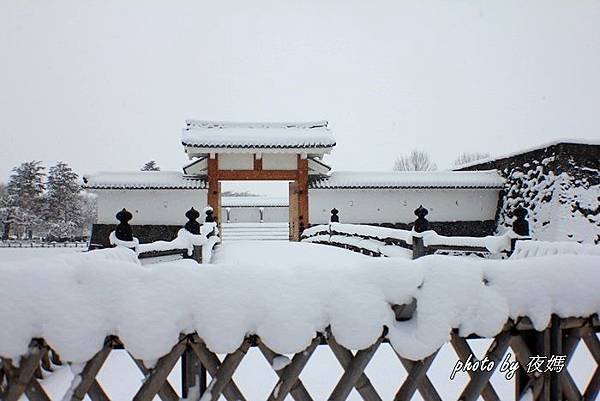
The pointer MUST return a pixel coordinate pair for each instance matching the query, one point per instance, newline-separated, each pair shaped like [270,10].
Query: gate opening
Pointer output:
[255,210]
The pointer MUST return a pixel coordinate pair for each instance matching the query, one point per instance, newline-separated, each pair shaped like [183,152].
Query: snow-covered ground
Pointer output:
[9,254]
[255,377]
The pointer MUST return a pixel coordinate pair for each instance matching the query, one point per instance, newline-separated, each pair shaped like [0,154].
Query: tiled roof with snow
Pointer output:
[410,179]
[254,201]
[142,180]
[280,135]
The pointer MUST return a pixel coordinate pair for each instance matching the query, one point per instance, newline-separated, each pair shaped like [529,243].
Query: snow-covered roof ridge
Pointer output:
[190,123]
[410,179]
[141,180]
[573,141]
[279,135]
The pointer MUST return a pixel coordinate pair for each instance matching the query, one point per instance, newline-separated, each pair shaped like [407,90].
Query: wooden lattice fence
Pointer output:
[199,363]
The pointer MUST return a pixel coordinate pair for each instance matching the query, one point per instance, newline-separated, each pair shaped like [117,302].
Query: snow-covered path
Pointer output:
[281,253]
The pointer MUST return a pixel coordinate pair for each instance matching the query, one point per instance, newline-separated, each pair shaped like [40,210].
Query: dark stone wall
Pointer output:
[549,183]
[452,228]
[144,233]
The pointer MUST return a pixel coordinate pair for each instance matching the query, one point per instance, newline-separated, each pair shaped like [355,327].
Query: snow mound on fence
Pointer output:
[284,295]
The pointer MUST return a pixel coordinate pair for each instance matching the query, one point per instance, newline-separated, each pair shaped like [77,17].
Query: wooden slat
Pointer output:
[158,376]
[35,391]
[477,383]
[89,373]
[593,344]
[522,355]
[96,392]
[212,364]
[593,388]
[363,384]
[425,387]
[463,350]
[166,392]
[298,391]
[353,372]
[289,375]
[415,376]
[23,375]
[226,371]
[569,344]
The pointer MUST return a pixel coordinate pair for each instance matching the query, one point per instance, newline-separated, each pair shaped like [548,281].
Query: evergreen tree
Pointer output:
[22,203]
[63,202]
[151,166]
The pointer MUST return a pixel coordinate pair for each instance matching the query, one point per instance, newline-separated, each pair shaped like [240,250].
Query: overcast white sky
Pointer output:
[107,85]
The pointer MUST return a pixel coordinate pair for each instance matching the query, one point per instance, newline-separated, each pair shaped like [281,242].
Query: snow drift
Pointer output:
[284,296]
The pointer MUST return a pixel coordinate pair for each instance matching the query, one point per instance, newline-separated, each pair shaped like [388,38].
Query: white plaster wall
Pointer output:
[279,161]
[278,214]
[150,206]
[393,206]
[230,161]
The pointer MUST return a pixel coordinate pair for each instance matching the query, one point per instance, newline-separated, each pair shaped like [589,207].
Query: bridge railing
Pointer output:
[193,240]
[199,364]
[415,243]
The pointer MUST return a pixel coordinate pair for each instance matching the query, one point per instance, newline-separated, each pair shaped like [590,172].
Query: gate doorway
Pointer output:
[228,168]
[254,210]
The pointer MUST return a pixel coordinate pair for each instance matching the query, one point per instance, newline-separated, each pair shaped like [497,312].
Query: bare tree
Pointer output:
[416,160]
[468,157]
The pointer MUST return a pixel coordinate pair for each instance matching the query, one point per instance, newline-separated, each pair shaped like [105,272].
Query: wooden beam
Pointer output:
[254,175]
[213,186]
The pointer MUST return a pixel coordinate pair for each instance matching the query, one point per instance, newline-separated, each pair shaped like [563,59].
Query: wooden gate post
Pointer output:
[293,212]
[214,188]
[302,190]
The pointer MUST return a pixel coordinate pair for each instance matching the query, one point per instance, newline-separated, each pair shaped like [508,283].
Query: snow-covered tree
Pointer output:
[151,166]
[416,160]
[63,209]
[468,157]
[89,210]
[22,203]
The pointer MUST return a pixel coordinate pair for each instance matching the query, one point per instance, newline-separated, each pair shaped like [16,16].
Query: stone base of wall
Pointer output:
[144,233]
[452,228]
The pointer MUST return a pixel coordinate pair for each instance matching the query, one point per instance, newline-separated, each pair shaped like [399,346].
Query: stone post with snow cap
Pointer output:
[193,227]
[123,230]
[123,234]
[520,226]
[335,218]
[421,225]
